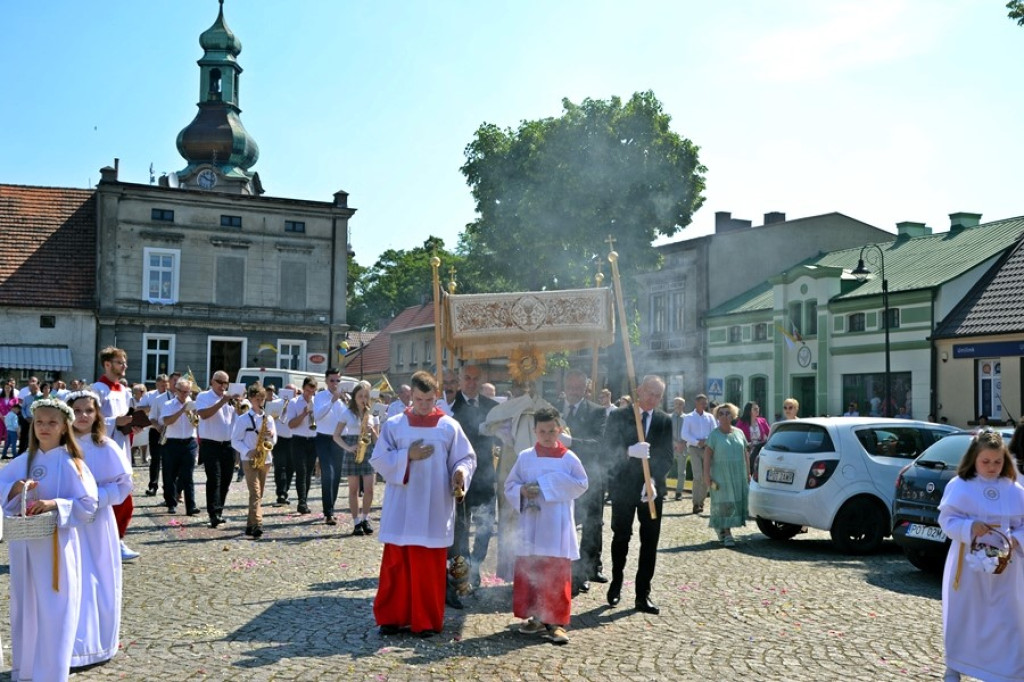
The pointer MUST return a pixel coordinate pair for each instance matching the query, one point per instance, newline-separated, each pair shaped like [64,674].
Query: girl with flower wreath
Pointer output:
[46,580]
[983,611]
[99,623]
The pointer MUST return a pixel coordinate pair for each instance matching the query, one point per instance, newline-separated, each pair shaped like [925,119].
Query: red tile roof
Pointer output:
[376,355]
[49,246]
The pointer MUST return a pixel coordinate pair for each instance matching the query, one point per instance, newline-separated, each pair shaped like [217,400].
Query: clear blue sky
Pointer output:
[885,110]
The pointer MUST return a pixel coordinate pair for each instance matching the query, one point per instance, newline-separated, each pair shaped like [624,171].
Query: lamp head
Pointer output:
[860,272]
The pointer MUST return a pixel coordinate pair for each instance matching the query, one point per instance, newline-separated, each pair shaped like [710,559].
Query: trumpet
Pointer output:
[312,416]
[241,405]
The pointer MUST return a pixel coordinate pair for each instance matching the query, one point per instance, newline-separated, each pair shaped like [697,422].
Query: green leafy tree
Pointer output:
[550,192]
[400,278]
[1016,12]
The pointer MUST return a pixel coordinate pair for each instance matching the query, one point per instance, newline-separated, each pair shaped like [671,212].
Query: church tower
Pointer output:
[215,144]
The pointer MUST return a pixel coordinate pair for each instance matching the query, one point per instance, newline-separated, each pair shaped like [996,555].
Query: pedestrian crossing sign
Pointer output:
[715,389]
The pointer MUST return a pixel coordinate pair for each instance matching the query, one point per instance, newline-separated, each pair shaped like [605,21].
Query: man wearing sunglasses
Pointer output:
[216,418]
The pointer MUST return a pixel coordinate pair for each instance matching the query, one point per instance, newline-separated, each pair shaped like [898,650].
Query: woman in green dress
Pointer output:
[727,474]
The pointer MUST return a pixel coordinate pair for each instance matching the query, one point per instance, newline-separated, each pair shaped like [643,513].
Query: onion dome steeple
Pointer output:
[216,145]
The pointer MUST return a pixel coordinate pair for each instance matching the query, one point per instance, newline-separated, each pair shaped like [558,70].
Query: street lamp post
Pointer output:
[862,273]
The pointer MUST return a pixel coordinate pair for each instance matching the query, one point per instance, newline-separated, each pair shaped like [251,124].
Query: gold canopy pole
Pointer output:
[595,349]
[435,264]
[613,258]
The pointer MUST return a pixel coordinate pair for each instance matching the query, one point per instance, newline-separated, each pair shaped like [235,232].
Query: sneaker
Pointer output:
[366,527]
[557,635]
[532,627]
[128,554]
[357,529]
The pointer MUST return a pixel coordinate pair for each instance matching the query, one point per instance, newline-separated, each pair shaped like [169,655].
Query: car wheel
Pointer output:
[777,530]
[930,562]
[859,527]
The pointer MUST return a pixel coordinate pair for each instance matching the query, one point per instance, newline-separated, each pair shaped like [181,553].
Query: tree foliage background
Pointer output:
[550,192]
[400,278]
[1016,12]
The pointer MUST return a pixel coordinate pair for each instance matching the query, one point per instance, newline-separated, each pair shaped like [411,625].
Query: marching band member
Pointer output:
[246,439]
[283,465]
[114,404]
[346,436]
[216,417]
[151,403]
[54,476]
[302,423]
[327,408]
[179,451]
[99,622]
[425,459]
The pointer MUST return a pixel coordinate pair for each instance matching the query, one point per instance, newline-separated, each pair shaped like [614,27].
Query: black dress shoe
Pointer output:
[303,509]
[585,586]
[615,592]
[215,521]
[248,530]
[599,577]
[647,606]
[386,630]
[193,512]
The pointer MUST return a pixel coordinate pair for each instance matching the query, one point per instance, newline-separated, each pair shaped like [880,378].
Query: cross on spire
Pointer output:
[610,242]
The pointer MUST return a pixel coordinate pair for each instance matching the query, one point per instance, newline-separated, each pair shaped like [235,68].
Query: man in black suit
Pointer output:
[626,483]
[586,427]
[470,409]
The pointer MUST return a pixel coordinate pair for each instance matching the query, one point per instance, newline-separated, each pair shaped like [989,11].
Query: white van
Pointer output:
[282,377]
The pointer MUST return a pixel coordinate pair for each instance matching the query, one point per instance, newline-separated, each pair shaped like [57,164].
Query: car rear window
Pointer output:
[800,437]
[248,380]
[948,451]
[893,441]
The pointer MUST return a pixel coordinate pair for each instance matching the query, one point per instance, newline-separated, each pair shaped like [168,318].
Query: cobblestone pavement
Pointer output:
[205,604]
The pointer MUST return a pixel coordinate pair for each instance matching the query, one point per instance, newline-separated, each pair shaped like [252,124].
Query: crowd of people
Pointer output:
[459,468]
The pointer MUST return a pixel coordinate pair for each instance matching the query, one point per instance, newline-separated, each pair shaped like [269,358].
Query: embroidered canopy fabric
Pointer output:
[493,325]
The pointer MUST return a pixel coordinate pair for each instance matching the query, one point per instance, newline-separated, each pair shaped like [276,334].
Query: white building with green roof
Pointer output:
[816,333]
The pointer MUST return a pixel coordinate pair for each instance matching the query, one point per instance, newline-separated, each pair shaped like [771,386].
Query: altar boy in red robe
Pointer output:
[426,460]
[543,483]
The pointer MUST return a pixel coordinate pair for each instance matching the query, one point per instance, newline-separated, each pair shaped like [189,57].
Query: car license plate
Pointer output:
[780,475]
[923,532]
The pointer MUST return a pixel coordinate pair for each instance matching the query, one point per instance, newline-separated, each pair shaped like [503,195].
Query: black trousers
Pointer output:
[590,515]
[303,463]
[283,467]
[626,506]
[179,459]
[218,458]
[154,459]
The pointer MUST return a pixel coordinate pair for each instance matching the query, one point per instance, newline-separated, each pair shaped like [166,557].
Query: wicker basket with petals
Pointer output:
[992,551]
[25,527]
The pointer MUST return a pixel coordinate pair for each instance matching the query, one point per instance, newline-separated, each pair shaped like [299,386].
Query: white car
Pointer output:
[836,474]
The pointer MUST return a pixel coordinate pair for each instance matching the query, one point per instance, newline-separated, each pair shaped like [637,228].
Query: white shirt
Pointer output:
[218,426]
[281,423]
[547,526]
[352,425]
[247,431]
[697,427]
[295,407]
[181,428]
[327,412]
[156,404]
[396,407]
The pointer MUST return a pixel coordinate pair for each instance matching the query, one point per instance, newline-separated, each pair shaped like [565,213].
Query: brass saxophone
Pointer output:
[263,446]
[365,437]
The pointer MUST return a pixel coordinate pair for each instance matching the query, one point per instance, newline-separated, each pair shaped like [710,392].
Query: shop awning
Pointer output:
[53,358]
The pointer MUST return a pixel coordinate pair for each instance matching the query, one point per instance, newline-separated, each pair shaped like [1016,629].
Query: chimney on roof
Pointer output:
[724,222]
[108,174]
[774,217]
[959,221]
[908,229]
[341,199]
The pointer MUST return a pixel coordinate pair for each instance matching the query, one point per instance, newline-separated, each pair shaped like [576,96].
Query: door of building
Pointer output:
[804,390]
[227,355]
